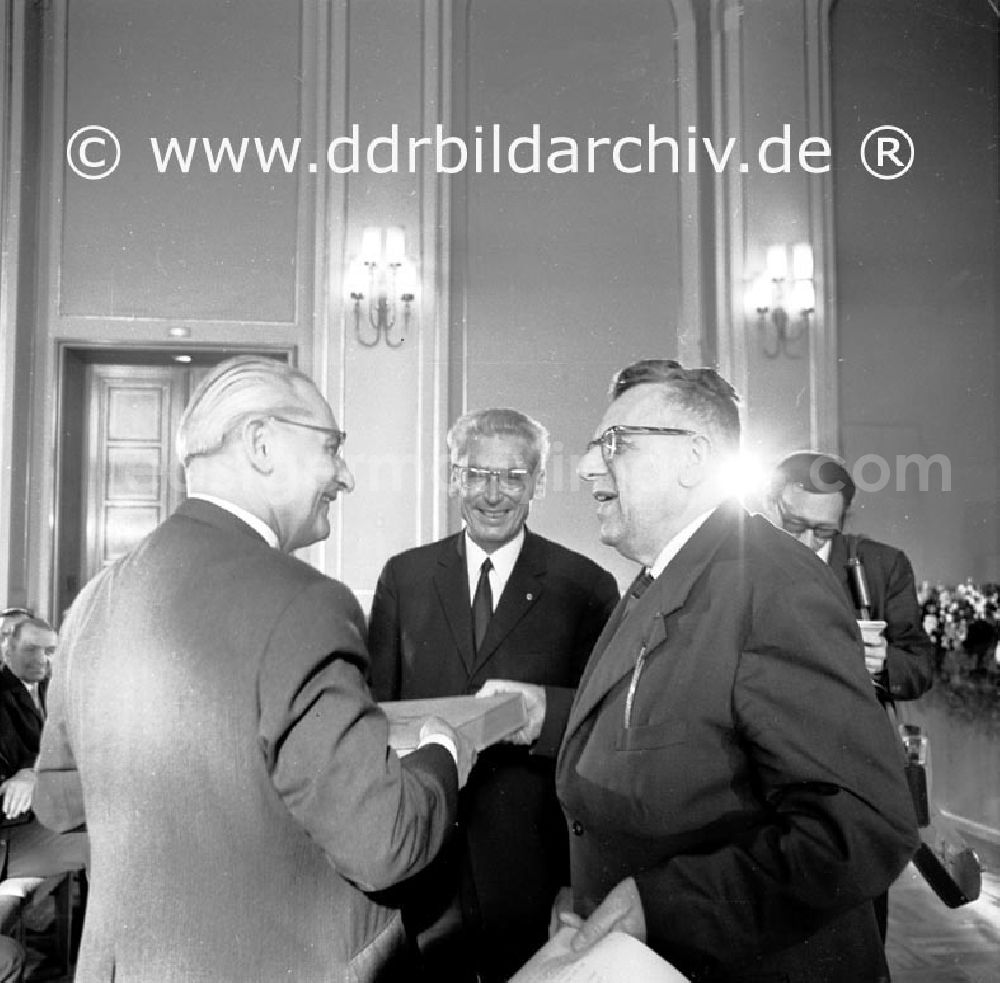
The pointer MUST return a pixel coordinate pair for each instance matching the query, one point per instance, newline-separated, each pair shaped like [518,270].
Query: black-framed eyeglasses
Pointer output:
[611,441]
[13,612]
[337,436]
[795,525]
[510,481]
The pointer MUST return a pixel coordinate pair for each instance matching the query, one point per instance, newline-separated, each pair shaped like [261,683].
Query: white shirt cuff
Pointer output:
[446,742]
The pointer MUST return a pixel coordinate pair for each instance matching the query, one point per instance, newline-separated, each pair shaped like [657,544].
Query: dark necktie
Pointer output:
[482,604]
[639,587]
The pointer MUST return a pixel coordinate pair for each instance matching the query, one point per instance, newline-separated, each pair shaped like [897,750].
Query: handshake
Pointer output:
[465,725]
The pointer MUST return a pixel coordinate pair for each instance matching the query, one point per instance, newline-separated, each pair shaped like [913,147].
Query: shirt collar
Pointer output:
[257,524]
[674,546]
[503,558]
[824,551]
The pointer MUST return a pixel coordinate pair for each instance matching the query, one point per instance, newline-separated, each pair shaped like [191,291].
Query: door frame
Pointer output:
[72,356]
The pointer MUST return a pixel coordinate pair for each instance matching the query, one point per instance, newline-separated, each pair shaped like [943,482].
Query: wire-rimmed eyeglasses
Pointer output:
[12,612]
[611,443]
[337,436]
[796,525]
[510,481]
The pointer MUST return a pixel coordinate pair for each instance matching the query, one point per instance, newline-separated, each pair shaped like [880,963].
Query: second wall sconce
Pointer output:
[382,283]
[789,300]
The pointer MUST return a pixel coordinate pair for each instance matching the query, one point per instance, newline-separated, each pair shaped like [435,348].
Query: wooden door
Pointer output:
[133,478]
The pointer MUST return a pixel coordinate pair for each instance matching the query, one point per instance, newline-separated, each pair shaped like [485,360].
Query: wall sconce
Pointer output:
[788,299]
[387,280]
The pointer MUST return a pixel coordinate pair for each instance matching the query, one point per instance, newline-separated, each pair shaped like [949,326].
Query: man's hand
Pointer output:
[534,703]
[875,657]
[562,912]
[876,646]
[18,792]
[464,749]
[620,911]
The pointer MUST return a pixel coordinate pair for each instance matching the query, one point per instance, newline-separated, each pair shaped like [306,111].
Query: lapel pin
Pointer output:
[529,597]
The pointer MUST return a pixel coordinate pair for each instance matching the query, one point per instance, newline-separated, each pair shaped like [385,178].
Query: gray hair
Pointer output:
[499,422]
[232,392]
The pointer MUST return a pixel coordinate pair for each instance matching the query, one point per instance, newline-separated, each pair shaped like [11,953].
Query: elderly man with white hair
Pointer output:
[494,608]
[211,724]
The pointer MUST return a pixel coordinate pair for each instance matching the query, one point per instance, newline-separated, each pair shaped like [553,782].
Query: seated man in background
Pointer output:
[495,602]
[30,852]
[810,495]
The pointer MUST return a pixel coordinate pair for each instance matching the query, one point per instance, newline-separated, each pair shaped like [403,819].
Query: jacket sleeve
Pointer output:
[834,825]
[325,742]
[909,665]
[384,639]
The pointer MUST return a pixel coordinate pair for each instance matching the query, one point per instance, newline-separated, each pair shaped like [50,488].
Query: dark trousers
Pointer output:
[31,850]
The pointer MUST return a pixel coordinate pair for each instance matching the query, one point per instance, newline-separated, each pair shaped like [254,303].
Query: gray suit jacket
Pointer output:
[210,723]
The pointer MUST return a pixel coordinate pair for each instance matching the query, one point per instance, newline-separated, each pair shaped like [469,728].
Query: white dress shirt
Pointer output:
[503,564]
[258,525]
[673,547]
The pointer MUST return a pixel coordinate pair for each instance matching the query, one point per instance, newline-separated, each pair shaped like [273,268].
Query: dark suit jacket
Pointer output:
[544,627]
[909,662]
[209,720]
[757,794]
[20,725]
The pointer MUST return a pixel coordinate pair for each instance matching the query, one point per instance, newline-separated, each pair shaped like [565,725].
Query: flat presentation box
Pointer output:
[483,719]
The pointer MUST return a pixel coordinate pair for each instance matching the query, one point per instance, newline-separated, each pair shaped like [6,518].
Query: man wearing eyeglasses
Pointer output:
[210,722]
[494,608]
[730,784]
[810,496]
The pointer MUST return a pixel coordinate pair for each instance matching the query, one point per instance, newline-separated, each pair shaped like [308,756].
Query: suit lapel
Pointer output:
[618,647]
[20,695]
[527,580]
[452,585]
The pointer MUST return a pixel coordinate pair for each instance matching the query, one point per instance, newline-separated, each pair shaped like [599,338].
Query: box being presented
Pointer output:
[483,719]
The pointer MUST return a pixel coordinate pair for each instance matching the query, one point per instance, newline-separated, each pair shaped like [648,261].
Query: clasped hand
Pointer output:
[18,792]
[534,704]
[465,750]
[620,911]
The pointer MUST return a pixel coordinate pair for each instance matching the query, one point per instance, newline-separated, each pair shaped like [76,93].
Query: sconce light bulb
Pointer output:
[777,262]
[356,281]
[759,295]
[395,245]
[804,296]
[802,261]
[371,245]
[406,280]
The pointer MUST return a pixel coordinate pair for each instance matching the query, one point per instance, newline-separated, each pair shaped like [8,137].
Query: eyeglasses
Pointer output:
[795,525]
[11,612]
[611,441]
[510,481]
[338,436]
